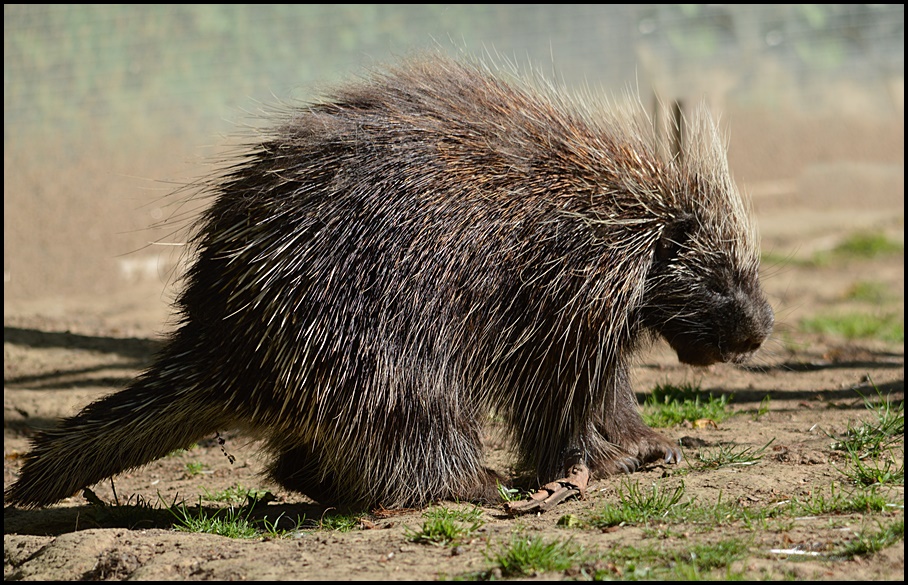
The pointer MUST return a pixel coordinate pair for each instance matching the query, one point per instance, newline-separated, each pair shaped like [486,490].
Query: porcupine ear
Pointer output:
[674,235]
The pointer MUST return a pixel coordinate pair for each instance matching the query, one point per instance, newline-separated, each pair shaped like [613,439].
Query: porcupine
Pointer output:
[381,268]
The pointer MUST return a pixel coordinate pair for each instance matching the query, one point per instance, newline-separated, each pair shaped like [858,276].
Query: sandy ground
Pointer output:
[61,352]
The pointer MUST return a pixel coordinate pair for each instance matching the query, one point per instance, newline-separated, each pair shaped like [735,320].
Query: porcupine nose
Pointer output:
[754,327]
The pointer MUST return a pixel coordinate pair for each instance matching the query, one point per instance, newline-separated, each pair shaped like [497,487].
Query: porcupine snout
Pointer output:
[751,324]
[754,325]
[729,328]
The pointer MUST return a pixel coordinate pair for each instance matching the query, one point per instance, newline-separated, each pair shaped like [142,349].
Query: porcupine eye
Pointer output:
[673,237]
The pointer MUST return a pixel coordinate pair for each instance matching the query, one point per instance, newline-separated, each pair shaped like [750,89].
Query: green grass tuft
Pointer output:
[887,327]
[867,245]
[447,526]
[636,506]
[527,556]
[669,405]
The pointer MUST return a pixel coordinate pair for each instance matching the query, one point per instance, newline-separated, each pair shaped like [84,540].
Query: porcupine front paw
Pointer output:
[633,454]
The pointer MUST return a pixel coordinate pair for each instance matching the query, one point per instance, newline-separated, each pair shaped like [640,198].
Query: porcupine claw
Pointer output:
[553,493]
[628,465]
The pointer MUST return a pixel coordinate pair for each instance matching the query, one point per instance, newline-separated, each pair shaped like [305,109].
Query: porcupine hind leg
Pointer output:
[296,468]
[620,441]
[412,464]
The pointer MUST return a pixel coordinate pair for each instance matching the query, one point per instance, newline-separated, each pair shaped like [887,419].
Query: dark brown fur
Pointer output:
[384,267]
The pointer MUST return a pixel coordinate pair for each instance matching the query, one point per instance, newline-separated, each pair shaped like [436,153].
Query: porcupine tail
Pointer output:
[164,409]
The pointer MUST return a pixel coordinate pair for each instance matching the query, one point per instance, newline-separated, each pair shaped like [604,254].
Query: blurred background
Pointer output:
[108,108]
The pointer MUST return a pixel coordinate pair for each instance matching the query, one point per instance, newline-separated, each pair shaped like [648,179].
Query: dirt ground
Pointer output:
[60,353]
